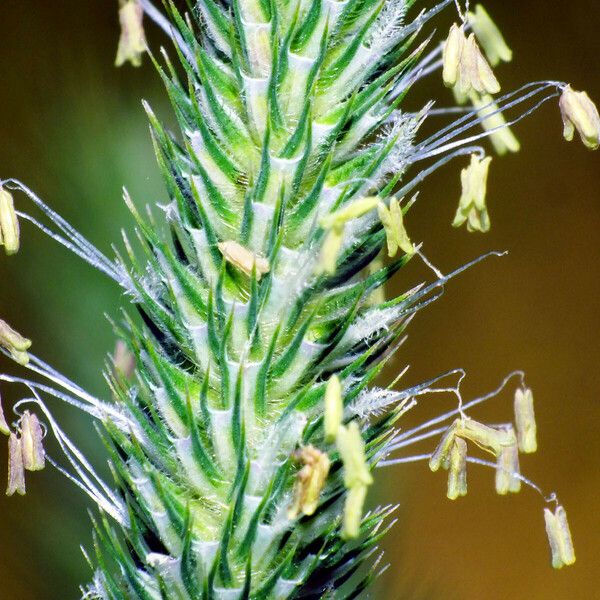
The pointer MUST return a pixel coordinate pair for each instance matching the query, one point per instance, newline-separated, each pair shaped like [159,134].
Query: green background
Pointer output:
[72,128]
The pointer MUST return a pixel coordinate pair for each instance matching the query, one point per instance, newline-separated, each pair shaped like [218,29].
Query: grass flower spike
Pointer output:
[246,421]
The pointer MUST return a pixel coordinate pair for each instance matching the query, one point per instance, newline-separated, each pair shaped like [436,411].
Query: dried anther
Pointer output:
[16,472]
[579,112]
[309,481]
[3,424]
[334,408]
[34,457]
[559,537]
[464,66]
[9,223]
[15,343]
[471,206]
[132,43]
[457,469]
[395,232]
[245,260]
[525,421]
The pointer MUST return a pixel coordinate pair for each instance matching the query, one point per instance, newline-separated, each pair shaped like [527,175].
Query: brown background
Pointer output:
[72,127]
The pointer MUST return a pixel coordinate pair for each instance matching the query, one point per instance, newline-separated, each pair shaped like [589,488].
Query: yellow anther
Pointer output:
[334,408]
[310,481]
[351,447]
[487,438]
[492,120]
[579,112]
[471,206]
[15,343]
[507,470]
[132,43]
[451,55]
[377,296]
[559,537]
[440,456]
[9,223]
[244,259]
[457,470]
[16,472]
[464,66]
[395,232]
[489,36]
[32,436]
[330,251]
[354,210]
[353,510]
[525,421]
[357,477]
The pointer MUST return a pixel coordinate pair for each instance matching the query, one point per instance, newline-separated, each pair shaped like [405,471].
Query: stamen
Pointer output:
[123,360]
[132,43]
[9,223]
[330,250]
[395,232]
[354,210]
[489,36]
[357,477]
[14,343]
[492,121]
[334,408]
[310,481]
[16,472]
[525,420]
[507,469]
[559,537]
[4,428]
[31,442]
[457,473]
[579,112]
[471,206]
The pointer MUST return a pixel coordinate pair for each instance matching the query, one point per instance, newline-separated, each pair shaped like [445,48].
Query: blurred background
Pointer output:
[72,128]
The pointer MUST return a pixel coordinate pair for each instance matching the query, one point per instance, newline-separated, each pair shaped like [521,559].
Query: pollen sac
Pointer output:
[441,455]
[334,408]
[352,452]
[453,48]
[245,260]
[507,470]
[492,121]
[464,66]
[16,472]
[525,421]
[579,112]
[486,437]
[353,509]
[330,250]
[457,469]
[34,457]
[9,223]
[395,232]
[15,343]
[309,481]
[471,206]
[354,210]
[132,43]
[489,36]
[559,537]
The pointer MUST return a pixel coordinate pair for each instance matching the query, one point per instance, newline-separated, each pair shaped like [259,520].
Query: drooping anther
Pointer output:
[581,114]
[472,208]
[15,343]
[393,224]
[9,223]
[525,421]
[132,42]
[559,537]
